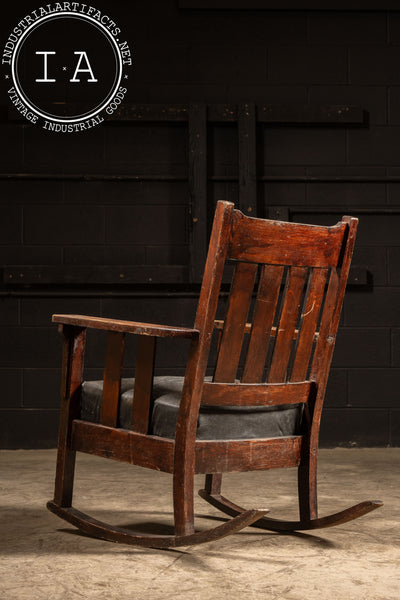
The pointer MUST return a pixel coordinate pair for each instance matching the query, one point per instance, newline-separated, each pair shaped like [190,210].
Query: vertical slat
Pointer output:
[322,350]
[72,369]
[112,378]
[308,325]
[247,159]
[264,312]
[198,189]
[287,324]
[144,373]
[235,322]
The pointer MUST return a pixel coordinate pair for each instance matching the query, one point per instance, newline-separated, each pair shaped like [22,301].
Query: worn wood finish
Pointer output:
[307,476]
[112,378]
[126,326]
[287,324]
[198,188]
[93,275]
[339,518]
[263,241]
[142,402]
[123,445]
[309,321]
[218,324]
[111,533]
[247,455]
[71,381]
[303,255]
[235,322]
[195,371]
[261,330]
[253,394]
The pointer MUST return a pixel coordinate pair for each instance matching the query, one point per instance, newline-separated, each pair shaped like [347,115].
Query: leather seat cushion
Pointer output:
[216,423]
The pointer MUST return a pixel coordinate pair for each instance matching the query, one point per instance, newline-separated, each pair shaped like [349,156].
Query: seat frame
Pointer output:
[248,242]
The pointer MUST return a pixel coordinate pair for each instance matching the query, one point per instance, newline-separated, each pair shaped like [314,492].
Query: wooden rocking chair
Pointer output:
[262,416]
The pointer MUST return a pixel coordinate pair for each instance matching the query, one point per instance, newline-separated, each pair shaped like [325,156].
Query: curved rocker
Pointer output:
[349,514]
[104,531]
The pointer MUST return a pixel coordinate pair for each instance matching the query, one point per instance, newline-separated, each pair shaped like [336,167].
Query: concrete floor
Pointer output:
[43,558]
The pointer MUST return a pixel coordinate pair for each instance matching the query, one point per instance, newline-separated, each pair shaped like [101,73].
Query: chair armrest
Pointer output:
[126,326]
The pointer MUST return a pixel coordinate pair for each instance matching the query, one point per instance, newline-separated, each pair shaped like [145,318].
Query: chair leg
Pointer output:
[213,484]
[65,472]
[307,488]
[183,494]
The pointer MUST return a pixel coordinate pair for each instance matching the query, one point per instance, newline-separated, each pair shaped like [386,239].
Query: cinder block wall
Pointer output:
[217,57]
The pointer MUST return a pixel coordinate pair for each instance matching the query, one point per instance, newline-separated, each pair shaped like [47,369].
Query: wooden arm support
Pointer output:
[126,326]
[116,330]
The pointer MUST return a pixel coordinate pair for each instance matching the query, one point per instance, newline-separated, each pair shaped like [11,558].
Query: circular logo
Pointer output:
[67,66]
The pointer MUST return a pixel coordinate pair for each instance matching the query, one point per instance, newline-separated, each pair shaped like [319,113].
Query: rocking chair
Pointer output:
[260,410]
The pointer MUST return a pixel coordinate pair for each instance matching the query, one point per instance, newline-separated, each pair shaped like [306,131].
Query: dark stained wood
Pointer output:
[111,533]
[305,114]
[247,159]
[198,189]
[235,322]
[344,516]
[292,319]
[253,394]
[273,242]
[126,326]
[123,445]
[185,436]
[218,324]
[112,378]
[151,112]
[71,381]
[312,307]
[247,455]
[261,331]
[287,324]
[144,372]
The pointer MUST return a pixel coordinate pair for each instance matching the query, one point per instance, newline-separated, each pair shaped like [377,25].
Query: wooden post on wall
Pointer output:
[247,159]
[198,189]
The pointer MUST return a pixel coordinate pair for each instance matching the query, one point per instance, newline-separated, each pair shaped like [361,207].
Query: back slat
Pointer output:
[287,324]
[235,322]
[112,378]
[264,312]
[308,326]
[324,338]
[281,243]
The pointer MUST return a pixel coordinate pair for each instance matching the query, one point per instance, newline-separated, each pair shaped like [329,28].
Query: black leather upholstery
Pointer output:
[214,422]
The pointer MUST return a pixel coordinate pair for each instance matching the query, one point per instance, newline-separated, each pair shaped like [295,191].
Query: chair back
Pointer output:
[283,309]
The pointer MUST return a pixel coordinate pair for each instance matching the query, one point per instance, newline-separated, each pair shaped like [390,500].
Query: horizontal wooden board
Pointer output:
[152,329]
[123,445]
[285,114]
[247,455]
[310,114]
[282,243]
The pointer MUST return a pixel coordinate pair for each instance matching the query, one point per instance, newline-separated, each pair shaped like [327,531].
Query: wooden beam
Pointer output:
[198,189]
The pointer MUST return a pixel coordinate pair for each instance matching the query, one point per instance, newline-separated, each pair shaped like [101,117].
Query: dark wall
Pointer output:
[311,173]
